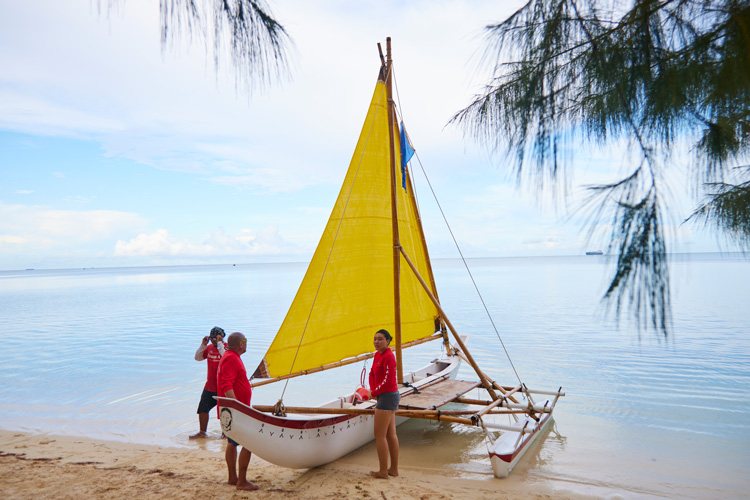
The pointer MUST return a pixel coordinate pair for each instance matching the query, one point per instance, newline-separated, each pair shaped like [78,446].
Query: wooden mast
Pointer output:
[394,217]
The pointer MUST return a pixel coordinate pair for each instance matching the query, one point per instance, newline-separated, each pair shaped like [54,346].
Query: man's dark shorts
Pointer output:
[233,442]
[207,401]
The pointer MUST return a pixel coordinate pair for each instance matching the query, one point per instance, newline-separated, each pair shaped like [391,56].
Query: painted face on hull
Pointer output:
[226,419]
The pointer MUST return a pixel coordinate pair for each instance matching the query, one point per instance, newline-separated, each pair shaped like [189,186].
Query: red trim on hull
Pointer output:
[508,457]
[281,421]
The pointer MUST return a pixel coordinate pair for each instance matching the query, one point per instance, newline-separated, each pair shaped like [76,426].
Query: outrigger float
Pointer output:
[354,286]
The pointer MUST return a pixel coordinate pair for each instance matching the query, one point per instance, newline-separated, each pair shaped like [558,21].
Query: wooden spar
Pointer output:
[424,414]
[482,377]
[490,407]
[394,217]
[349,361]
[439,416]
[371,411]
[507,391]
[469,401]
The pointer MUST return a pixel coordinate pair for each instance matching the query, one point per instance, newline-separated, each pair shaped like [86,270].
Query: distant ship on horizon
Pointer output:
[594,252]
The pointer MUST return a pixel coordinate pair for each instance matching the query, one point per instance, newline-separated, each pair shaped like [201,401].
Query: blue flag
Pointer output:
[407,151]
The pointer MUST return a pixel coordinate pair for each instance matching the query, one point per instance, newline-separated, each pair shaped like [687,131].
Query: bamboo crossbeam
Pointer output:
[513,391]
[482,377]
[538,408]
[345,362]
[465,412]
[490,407]
[317,411]
[469,401]
[371,411]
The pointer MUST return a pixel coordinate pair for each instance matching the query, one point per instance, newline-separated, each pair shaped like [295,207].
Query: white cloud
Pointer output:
[79,199]
[107,80]
[42,116]
[219,244]
[24,191]
[170,111]
[40,228]
[7,240]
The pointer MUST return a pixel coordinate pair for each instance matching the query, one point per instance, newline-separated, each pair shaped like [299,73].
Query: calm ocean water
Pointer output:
[108,353]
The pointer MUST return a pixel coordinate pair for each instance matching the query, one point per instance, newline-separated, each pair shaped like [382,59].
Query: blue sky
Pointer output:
[116,153]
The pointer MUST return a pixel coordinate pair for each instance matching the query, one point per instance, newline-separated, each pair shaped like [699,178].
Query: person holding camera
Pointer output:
[211,349]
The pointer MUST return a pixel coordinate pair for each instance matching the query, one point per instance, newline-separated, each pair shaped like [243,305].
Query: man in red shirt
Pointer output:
[212,353]
[232,382]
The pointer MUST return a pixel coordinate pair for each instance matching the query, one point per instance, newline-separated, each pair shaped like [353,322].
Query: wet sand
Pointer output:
[38,466]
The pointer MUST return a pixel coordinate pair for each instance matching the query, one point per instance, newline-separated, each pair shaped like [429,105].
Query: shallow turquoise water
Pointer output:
[108,353]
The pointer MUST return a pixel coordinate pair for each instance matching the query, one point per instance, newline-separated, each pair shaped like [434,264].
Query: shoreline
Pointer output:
[44,465]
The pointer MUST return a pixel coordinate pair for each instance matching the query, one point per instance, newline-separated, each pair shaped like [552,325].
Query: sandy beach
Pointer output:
[36,466]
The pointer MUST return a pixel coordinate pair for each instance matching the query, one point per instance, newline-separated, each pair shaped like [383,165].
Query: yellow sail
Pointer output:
[347,292]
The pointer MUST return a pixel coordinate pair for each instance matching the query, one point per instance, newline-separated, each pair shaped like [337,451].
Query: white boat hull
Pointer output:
[301,441]
[510,447]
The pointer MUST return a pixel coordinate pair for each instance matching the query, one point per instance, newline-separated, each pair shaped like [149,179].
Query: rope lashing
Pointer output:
[279,409]
[413,388]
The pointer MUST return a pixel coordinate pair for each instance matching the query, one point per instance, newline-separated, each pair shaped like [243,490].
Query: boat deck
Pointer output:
[435,395]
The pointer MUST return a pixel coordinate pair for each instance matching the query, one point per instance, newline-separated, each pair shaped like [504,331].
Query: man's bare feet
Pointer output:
[232,481]
[378,475]
[198,435]
[247,486]
[392,472]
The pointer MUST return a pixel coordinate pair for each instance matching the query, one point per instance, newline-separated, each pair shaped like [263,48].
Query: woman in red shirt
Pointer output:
[383,386]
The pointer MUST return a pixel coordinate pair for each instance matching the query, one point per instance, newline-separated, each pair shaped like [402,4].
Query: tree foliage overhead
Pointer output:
[655,74]
[258,44]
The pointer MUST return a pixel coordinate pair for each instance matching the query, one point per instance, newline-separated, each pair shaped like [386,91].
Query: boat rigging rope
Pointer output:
[455,242]
[363,376]
[330,251]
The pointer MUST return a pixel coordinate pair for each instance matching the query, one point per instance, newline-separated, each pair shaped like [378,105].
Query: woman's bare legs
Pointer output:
[386,442]
[392,439]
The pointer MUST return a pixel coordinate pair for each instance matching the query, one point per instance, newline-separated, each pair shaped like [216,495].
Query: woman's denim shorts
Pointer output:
[388,401]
